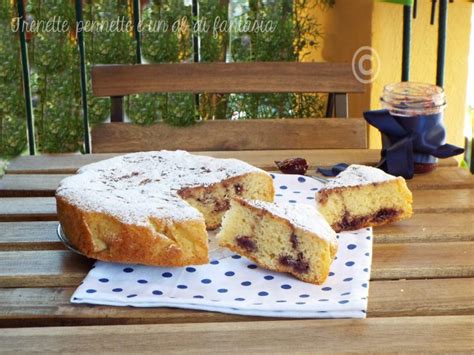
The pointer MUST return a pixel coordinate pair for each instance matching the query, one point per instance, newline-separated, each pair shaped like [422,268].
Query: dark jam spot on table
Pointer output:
[246,243]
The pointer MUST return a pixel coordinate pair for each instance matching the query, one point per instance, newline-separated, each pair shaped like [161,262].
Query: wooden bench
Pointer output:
[117,81]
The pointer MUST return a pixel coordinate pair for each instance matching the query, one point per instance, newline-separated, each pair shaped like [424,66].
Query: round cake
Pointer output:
[153,208]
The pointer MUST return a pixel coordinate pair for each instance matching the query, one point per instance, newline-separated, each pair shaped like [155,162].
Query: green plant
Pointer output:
[55,65]
[164,45]
[12,105]
[289,42]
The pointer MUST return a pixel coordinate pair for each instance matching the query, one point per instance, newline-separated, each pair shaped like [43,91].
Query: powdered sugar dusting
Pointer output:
[358,175]
[139,186]
[301,216]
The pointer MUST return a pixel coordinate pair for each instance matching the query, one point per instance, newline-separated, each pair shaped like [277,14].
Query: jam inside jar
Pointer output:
[420,108]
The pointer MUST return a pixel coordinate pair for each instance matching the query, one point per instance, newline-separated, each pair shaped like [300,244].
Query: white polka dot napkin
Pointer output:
[233,284]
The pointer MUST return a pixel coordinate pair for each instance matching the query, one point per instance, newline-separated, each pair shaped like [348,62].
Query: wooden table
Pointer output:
[421,294]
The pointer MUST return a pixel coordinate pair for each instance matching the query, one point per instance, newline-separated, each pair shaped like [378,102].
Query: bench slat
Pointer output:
[222,135]
[390,261]
[29,307]
[417,334]
[40,185]
[69,163]
[269,77]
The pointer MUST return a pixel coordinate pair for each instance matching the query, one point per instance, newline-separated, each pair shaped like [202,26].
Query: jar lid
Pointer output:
[413,99]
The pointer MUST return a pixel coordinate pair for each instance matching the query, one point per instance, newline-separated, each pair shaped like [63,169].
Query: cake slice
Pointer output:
[291,238]
[362,196]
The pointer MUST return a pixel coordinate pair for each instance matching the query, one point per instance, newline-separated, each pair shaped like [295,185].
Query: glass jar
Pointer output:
[419,108]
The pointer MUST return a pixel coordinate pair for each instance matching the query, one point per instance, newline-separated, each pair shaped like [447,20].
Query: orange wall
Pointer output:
[351,24]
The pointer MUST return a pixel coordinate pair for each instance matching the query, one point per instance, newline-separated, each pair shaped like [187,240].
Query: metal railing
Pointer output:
[26,70]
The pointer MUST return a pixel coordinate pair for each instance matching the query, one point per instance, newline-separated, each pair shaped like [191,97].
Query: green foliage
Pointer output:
[12,105]
[161,43]
[289,42]
[55,83]
[105,47]
[54,62]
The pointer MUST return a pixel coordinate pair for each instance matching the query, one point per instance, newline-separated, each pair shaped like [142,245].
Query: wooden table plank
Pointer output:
[444,333]
[428,227]
[426,201]
[16,236]
[42,268]
[30,307]
[41,185]
[69,163]
[27,209]
[443,178]
[390,261]
[443,201]
[423,260]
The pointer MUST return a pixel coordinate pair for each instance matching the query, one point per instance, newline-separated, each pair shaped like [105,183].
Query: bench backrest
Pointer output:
[117,81]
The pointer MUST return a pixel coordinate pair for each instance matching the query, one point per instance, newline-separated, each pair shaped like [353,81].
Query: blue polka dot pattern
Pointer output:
[231,283]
